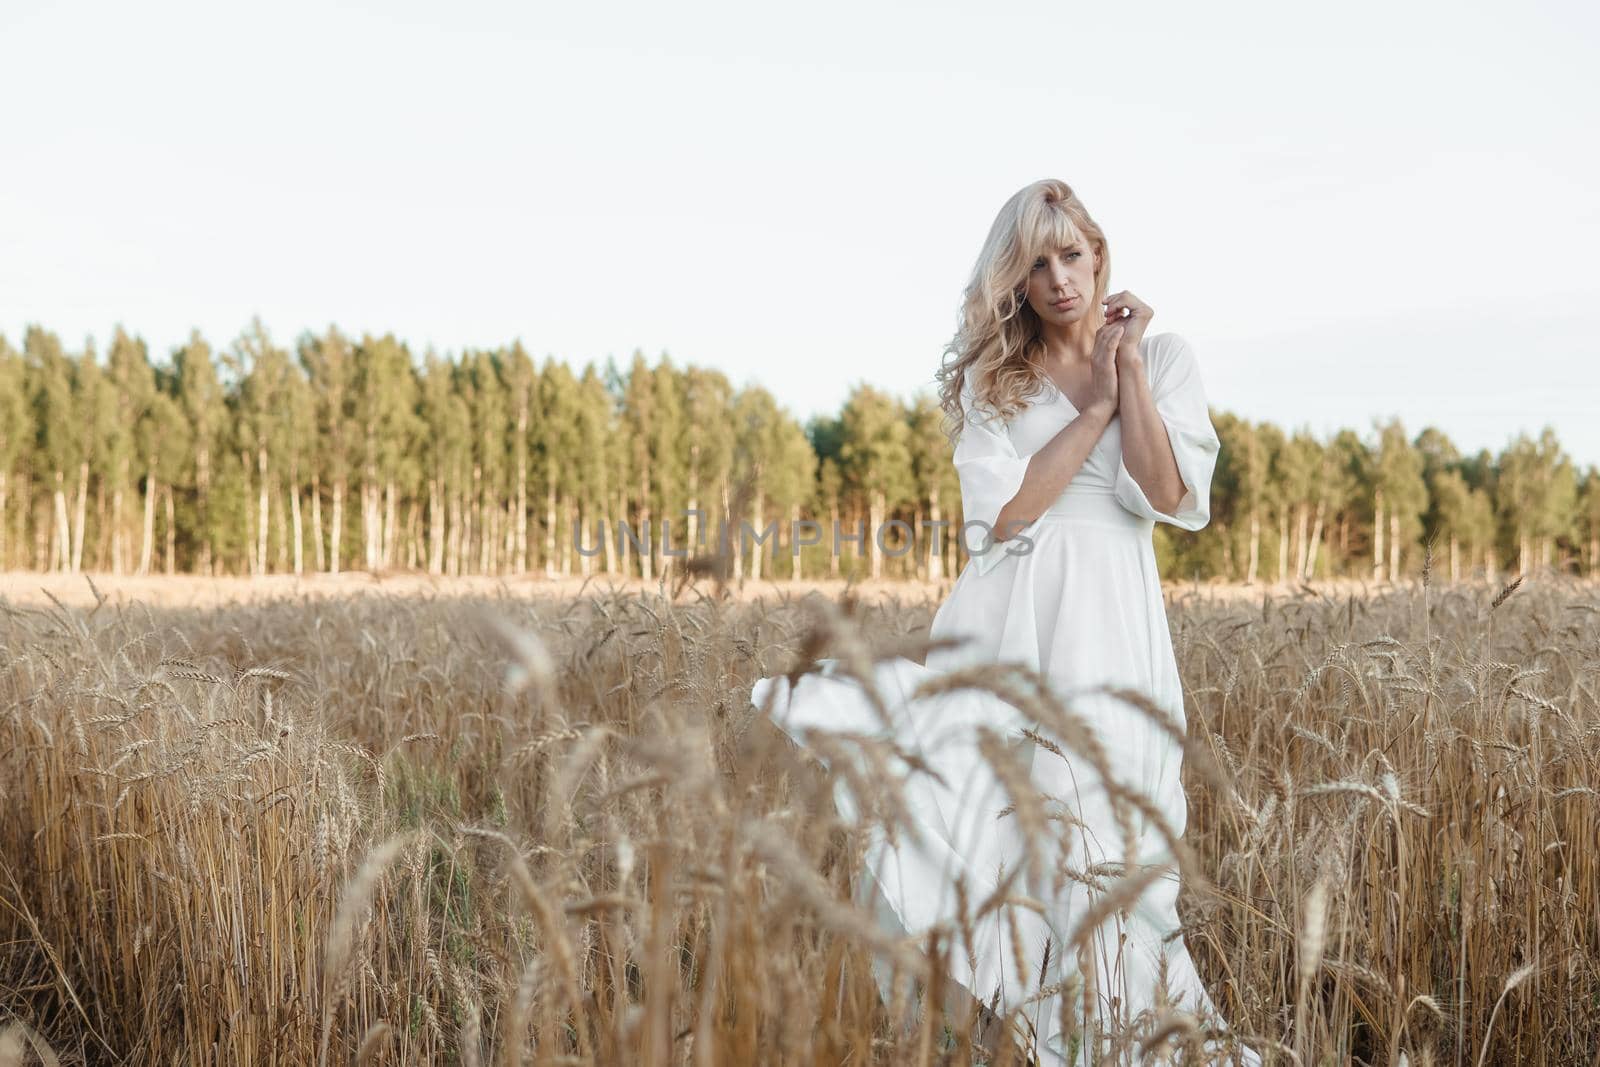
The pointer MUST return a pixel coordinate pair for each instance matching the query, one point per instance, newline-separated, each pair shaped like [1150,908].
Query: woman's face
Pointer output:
[1065,275]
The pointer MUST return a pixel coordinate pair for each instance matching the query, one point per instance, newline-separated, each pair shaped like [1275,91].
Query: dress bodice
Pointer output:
[1033,427]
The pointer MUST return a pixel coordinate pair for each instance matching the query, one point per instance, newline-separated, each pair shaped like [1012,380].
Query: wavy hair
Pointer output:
[998,346]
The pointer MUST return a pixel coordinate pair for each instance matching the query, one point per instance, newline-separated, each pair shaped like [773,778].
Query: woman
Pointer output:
[1074,433]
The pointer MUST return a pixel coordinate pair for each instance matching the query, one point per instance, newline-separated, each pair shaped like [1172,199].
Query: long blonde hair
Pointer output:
[998,346]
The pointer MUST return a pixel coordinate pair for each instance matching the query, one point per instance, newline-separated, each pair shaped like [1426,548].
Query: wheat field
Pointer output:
[417,825]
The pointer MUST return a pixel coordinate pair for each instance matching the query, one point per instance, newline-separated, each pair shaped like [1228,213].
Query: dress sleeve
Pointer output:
[1180,398]
[990,472]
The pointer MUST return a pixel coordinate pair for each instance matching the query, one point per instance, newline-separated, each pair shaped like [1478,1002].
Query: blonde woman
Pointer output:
[1075,430]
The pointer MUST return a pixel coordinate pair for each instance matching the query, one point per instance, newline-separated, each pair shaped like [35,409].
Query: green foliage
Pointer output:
[259,459]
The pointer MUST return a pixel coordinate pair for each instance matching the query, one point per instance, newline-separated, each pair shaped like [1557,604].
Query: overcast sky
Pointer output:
[1350,211]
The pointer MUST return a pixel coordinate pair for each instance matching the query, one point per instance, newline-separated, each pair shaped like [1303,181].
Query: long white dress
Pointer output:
[1083,607]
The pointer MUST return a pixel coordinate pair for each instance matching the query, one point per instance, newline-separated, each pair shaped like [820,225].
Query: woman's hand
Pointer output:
[1134,315]
[1103,363]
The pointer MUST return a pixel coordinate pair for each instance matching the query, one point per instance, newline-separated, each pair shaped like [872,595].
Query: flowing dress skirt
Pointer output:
[1084,609]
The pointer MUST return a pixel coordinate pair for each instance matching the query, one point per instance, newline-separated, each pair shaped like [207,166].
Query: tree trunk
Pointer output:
[1316,540]
[61,544]
[480,519]
[116,528]
[435,529]
[263,513]
[692,525]
[469,526]
[550,528]
[735,545]
[249,515]
[454,535]
[319,557]
[833,547]
[794,540]
[1283,545]
[876,510]
[82,517]
[586,562]
[607,529]
[202,487]
[336,526]
[493,519]
[1302,540]
[147,550]
[623,567]
[282,523]
[510,547]
[757,506]
[40,521]
[299,528]
[1394,545]
[387,533]
[647,557]
[520,548]
[1377,536]
[369,522]
[102,550]
[568,510]
[414,543]
[1255,546]
[171,532]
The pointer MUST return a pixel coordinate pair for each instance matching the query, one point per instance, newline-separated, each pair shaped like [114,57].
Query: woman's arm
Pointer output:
[1146,448]
[1052,467]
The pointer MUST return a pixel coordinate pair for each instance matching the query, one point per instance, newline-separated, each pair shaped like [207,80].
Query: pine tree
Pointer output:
[330,366]
[200,398]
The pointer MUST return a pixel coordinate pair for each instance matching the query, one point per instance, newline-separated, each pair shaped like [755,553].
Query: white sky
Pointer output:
[1350,211]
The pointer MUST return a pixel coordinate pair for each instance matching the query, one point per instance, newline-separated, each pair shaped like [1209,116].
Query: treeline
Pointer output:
[338,454]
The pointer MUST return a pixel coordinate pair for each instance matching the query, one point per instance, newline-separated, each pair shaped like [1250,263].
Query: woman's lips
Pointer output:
[1062,305]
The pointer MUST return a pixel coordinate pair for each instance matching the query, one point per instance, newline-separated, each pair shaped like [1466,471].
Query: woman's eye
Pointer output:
[1071,254]
[1038,263]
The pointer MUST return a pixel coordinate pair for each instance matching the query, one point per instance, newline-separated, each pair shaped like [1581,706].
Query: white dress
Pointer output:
[1084,608]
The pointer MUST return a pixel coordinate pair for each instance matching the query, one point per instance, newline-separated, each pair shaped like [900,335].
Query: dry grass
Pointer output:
[417,828]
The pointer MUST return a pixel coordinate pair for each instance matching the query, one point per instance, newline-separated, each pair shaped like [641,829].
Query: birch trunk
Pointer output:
[116,528]
[435,529]
[299,528]
[337,526]
[550,529]
[61,544]
[262,509]
[319,557]
[82,517]
[1283,545]
[1394,545]
[1316,539]
[1377,536]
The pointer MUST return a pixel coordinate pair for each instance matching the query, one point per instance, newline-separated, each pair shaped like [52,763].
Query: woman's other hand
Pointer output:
[1102,398]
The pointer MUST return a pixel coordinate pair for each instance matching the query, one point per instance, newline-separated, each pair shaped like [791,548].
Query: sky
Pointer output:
[1351,212]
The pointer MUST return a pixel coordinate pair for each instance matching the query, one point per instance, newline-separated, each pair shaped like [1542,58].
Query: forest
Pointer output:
[338,454]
